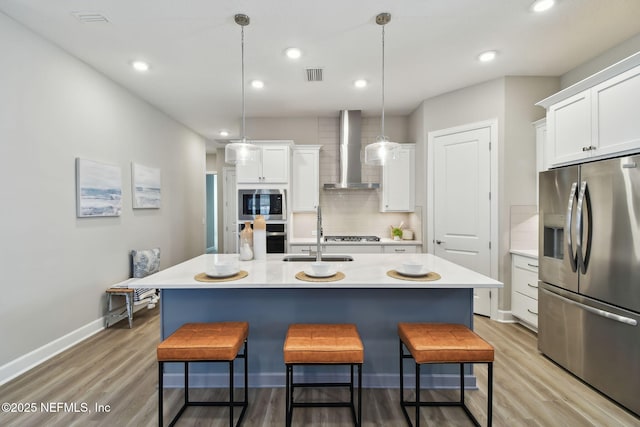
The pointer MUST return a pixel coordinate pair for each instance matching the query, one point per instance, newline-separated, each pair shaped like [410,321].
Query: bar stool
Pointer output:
[443,343]
[323,344]
[116,314]
[205,342]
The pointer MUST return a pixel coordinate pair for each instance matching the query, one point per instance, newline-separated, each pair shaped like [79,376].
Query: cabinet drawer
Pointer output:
[298,249]
[525,282]
[525,308]
[399,249]
[526,263]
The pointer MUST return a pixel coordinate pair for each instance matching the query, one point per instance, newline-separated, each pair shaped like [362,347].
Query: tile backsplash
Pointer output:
[524,227]
[354,212]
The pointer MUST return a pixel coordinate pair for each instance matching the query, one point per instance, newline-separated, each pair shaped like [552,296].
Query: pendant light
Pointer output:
[241,152]
[378,152]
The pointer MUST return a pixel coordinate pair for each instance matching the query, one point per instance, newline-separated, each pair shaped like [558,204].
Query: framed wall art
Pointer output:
[98,189]
[145,187]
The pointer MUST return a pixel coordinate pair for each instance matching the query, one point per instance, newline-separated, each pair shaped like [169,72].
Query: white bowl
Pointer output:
[412,267]
[224,268]
[320,268]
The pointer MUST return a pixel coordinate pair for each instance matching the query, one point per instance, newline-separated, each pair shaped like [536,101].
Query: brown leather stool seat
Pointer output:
[443,343]
[205,342]
[323,344]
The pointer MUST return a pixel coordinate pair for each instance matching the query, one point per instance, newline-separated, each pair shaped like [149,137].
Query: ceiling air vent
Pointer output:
[89,17]
[314,74]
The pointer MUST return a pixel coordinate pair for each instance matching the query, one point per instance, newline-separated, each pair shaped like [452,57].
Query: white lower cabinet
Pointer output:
[524,289]
[352,249]
[399,249]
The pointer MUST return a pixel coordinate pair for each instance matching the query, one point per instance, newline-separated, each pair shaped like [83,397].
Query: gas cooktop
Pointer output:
[351,239]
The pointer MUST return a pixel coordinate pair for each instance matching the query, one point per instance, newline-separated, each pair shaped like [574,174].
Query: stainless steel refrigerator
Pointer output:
[589,290]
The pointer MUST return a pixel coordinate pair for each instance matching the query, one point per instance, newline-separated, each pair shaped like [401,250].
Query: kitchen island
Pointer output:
[270,298]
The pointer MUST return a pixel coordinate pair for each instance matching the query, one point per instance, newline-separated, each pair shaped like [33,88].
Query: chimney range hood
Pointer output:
[349,163]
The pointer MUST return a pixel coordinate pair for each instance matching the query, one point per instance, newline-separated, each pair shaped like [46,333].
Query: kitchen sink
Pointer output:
[312,258]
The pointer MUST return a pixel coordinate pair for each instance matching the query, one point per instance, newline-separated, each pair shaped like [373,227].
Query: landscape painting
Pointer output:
[98,189]
[145,186]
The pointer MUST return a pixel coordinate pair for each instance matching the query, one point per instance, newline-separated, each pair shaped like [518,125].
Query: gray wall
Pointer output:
[511,101]
[56,267]
[598,63]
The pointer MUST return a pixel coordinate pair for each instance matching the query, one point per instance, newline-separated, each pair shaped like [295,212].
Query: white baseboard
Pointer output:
[270,379]
[32,359]
[505,317]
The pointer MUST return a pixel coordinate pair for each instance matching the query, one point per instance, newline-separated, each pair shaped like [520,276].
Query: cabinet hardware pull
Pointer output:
[585,148]
[532,312]
[399,250]
[532,286]
[439,241]
[532,265]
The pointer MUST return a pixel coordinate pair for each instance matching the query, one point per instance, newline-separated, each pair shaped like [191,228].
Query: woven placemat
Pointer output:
[301,275]
[431,276]
[202,277]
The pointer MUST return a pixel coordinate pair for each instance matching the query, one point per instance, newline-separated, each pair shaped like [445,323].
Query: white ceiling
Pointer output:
[193,47]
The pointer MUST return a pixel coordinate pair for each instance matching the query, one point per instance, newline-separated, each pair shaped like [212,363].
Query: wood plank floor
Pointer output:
[117,367]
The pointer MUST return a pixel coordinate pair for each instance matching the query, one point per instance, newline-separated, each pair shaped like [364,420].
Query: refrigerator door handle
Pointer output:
[596,311]
[583,243]
[570,252]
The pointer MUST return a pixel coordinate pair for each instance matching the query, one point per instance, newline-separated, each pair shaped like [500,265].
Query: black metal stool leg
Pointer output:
[490,393]
[231,393]
[289,393]
[186,383]
[160,392]
[417,395]
[462,383]
[359,395]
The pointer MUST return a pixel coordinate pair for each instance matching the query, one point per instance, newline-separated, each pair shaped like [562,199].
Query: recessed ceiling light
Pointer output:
[140,66]
[487,56]
[360,83]
[542,5]
[257,84]
[293,52]
[224,133]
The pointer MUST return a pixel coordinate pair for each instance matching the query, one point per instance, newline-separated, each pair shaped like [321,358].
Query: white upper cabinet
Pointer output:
[569,127]
[305,178]
[398,181]
[597,117]
[541,151]
[616,104]
[271,166]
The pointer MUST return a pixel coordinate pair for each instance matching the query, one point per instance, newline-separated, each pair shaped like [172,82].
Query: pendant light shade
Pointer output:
[242,151]
[379,152]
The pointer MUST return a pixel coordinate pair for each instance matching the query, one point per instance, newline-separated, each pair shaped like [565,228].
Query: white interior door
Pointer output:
[230,202]
[462,204]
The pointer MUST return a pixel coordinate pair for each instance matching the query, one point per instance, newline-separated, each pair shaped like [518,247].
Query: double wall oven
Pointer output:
[270,203]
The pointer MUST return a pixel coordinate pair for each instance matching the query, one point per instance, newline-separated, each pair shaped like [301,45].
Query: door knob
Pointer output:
[439,241]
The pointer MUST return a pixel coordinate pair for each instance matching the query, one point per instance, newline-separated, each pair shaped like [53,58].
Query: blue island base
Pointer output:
[375,312]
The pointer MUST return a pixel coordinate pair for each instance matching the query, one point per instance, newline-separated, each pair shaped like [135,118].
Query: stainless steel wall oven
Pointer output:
[276,237]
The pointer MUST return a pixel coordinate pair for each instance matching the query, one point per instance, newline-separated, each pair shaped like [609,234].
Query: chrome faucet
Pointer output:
[319,236]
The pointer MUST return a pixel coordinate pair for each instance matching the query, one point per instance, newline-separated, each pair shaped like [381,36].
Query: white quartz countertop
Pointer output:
[366,271]
[383,241]
[530,253]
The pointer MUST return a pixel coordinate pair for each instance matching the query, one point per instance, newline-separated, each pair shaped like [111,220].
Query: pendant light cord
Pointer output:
[382,137]
[242,75]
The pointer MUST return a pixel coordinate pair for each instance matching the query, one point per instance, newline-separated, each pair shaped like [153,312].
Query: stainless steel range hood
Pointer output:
[349,164]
